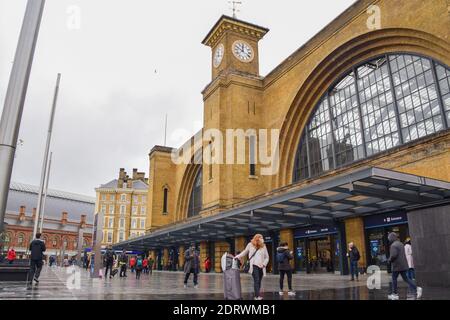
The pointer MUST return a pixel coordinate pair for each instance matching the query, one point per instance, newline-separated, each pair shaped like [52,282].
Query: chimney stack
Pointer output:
[83,221]
[22,213]
[135,172]
[64,218]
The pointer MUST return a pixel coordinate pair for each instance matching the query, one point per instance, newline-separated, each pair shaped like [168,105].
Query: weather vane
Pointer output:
[235,9]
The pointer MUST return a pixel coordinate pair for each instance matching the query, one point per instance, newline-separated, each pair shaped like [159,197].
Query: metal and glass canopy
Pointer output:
[323,202]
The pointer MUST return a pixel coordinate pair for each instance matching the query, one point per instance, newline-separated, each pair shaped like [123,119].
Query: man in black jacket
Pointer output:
[110,256]
[37,248]
[353,256]
[284,256]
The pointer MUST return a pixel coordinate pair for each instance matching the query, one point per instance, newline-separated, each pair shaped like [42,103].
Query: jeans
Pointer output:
[354,269]
[411,274]
[405,278]
[257,278]
[109,266]
[186,277]
[35,269]
[138,273]
[289,278]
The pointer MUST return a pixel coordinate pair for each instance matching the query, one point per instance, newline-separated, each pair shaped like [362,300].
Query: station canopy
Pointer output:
[322,202]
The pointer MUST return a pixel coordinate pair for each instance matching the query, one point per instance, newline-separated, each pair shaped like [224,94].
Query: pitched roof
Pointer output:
[57,202]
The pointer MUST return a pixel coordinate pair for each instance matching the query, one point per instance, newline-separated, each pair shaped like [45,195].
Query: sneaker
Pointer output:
[419,292]
[393,296]
[196,286]
[291,293]
[35,279]
[280,293]
[259,298]
[185,286]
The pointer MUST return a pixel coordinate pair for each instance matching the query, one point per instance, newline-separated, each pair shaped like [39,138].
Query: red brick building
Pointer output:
[65,214]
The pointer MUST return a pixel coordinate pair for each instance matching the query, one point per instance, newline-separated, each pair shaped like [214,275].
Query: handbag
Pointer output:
[247,263]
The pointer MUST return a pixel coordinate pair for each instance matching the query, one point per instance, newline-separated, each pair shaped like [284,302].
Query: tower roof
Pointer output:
[229,23]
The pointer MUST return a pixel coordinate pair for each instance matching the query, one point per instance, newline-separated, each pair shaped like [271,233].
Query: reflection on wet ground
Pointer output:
[56,283]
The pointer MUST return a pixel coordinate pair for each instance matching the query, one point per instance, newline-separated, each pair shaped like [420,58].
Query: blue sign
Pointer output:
[299,252]
[374,246]
[314,231]
[386,219]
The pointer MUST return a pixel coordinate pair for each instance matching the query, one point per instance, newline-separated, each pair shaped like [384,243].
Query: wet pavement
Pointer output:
[60,284]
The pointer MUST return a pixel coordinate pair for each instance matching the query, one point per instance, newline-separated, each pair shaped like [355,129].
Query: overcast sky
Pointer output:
[129,64]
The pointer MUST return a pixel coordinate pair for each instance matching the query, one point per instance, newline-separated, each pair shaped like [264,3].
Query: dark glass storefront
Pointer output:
[317,249]
[377,228]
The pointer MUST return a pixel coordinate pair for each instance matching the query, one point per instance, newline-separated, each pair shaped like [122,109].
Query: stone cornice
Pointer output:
[226,23]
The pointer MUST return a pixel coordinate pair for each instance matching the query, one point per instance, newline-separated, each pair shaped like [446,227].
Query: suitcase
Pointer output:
[114,272]
[232,284]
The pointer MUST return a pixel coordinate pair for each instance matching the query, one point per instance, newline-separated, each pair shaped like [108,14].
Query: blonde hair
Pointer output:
[258,241]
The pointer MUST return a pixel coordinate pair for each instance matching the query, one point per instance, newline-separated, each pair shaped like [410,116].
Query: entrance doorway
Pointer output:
[318,254]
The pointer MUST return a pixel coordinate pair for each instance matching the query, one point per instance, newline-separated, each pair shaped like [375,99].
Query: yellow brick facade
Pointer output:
[238,97]
[124,208]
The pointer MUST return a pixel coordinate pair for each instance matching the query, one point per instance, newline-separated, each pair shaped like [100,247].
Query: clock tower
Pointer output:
[234,45]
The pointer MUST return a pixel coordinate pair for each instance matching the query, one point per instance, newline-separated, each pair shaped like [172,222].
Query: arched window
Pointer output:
[55,242]
[21,239]
[195,201]
[383,103]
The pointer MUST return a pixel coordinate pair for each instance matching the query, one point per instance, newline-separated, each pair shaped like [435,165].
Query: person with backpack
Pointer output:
[37,249]
[399,263]
[110,256]
[139,266]
[353,257]
[258,260]
[284,256]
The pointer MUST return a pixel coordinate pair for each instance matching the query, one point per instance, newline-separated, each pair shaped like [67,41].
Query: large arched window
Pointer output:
[383,103]
[195,201]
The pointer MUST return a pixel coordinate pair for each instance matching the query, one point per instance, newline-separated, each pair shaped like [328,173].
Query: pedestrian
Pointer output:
[139,267]
[207,265]
[409,257]
[123,261]
[132,264]
[150,265]
[37,249]
[11,255]
[284,256]
[109,258]
[353,257]
[191,265]
[51,261]
[399,263]
[145,265]
[258,260]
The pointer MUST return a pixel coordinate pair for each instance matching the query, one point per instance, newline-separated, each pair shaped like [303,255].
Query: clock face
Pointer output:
[218,55]
[243,51]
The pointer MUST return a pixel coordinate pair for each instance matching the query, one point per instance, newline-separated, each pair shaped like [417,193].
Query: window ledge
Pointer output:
[253,177]
[210,180]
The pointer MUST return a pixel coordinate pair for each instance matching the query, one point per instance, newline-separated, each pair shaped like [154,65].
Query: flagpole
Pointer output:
[47,149]
[47,178]
[15,97]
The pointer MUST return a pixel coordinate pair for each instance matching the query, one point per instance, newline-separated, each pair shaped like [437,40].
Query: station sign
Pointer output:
[387,219]
[314,231]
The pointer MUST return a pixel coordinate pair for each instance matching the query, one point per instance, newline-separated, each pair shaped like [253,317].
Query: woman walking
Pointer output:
[258,256]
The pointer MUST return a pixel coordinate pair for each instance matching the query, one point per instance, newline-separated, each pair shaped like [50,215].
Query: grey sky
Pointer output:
[129,64]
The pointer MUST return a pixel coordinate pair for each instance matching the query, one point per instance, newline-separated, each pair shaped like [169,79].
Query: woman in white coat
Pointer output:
[409,258]
[256,251]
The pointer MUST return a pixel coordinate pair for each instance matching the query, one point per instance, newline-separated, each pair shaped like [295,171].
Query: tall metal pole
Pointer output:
[47,178]
[47,149]
[15,97]
[165,133]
